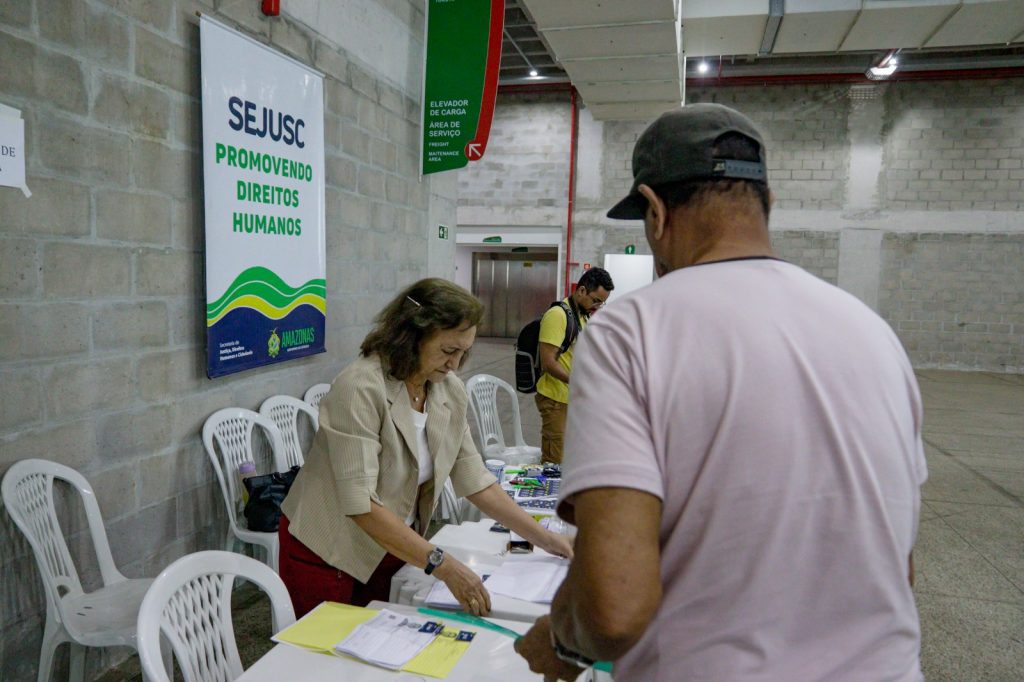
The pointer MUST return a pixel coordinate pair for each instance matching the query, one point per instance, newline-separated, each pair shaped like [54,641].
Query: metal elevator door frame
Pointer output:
[514,288]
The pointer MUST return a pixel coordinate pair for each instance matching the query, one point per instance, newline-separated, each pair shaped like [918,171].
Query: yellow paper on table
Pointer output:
[324,626]
[439,657]
[330,622]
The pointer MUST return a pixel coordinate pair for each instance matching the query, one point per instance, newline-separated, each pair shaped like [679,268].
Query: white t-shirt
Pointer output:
[419,420]
[779,421]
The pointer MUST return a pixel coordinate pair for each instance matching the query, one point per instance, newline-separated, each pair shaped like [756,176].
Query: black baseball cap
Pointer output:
[680,146]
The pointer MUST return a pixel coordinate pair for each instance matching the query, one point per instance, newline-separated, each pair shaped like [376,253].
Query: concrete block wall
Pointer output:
[954,146]
[805,129]
[527,155]
[817,252]
[101,271]
[852,168]
[979,320]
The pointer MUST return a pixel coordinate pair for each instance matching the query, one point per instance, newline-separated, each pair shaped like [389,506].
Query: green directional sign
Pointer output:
[461,80]
[631,249]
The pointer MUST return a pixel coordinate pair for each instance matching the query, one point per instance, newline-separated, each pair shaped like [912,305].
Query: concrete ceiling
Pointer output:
[631,58]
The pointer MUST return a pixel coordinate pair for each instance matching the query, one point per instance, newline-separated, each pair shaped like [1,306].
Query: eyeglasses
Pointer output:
[596,302]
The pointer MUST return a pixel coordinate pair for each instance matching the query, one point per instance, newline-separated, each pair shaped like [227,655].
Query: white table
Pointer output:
[490,658]
[476,546]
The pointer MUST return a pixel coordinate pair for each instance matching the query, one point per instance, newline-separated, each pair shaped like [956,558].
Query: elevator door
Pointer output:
[514,287]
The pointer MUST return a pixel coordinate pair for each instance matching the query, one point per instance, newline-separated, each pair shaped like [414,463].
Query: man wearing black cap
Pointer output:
[748,501]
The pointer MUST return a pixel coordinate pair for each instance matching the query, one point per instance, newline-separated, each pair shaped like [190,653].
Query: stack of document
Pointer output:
[442,597]
[389,639]
[531,577]
[321,629]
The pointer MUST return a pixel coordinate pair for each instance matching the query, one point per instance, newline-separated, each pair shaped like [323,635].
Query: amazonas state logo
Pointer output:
[273,344]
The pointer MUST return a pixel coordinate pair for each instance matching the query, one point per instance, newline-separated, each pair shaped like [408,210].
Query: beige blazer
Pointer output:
[365,450]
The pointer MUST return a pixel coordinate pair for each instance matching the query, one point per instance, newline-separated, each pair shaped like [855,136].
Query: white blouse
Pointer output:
[426,463]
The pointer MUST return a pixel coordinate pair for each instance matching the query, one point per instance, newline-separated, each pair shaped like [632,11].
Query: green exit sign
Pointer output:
[442,232]
[631,249]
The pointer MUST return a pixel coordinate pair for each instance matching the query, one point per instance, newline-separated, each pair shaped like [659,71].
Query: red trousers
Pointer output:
[310,580]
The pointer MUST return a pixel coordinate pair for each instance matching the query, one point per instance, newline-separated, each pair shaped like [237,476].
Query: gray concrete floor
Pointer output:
[970,549]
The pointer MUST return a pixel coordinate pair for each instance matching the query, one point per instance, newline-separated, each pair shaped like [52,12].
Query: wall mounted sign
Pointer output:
[12,149]
[460,80]
[263,176]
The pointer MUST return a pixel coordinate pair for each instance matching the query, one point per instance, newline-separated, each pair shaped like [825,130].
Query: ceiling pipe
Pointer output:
[776,8]
[574,117]
[535,87]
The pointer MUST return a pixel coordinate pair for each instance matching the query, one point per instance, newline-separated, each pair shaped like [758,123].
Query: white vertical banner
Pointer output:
[12,149]
[263,180]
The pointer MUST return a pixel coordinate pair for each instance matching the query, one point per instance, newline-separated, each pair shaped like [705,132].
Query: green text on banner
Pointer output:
[263,180]
[463,55]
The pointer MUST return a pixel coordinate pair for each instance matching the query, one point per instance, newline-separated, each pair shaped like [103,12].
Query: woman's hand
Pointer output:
[556,544]
[465,585]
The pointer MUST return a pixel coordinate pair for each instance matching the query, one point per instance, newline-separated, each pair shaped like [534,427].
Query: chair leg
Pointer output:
[229,542]
[47,649]
[76,662]
[273,553]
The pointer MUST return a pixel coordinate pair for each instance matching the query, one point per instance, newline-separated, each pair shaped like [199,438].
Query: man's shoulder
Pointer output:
[557,310]
[553,323]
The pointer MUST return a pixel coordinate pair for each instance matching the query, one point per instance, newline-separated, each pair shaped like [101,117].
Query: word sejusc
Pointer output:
[288,127]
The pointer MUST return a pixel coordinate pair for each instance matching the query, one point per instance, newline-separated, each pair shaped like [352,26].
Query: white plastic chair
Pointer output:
[483,402]
[450,508]
[101,618]
[227,436]
[284,410]
[315,394]
[190,604]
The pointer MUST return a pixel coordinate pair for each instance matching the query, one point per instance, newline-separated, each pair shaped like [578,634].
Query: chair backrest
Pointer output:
[284,410]
[28,495]
[450,505]
[483,402]
[315,394]
[227,436]
[190,604]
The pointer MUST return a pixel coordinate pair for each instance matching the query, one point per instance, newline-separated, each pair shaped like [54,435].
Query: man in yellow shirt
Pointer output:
[552,395]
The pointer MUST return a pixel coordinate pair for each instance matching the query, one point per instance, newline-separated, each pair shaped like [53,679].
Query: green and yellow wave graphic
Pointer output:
[262,290]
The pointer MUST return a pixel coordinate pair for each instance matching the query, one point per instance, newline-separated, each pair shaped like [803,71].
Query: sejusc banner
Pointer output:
[460,80]
[263,167]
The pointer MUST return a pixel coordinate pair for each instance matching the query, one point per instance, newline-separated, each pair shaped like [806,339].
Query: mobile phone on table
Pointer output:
[518,545]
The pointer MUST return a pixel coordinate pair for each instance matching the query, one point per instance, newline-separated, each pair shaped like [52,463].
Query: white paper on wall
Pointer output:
[12,149]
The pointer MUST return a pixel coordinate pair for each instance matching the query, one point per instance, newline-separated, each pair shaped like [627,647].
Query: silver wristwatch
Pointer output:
[434,560]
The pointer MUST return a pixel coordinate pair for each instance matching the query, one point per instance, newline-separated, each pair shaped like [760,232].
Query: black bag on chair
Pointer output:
[266,493]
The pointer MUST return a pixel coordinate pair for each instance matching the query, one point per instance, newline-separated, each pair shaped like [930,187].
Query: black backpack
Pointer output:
[528,368]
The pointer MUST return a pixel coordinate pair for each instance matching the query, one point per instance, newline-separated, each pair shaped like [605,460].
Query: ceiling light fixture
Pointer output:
[702,67]
[533,73]
[884,68]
